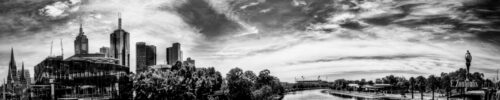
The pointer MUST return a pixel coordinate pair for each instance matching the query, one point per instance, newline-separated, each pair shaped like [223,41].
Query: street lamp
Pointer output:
[468,59]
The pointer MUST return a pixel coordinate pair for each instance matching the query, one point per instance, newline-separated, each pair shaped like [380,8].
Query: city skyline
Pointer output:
[289,37]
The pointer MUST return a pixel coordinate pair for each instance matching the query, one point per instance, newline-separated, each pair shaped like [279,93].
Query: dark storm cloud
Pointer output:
[212,24]
[488,10]
[22,18]
[331,59]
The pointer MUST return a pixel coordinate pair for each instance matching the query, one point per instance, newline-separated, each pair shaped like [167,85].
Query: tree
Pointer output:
[433,84]
[421,83]
[185,83]
[176,66]
[477,77]
[266,81]
[412,85]
[251,75]
[340,84]
[239,86]
[370,82]
[445,83]
[361,83]
[391,79]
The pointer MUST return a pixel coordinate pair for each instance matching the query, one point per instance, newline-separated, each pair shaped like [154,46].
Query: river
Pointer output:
[313,95]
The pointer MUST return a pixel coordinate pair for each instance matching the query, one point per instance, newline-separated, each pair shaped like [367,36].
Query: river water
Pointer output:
[313,95]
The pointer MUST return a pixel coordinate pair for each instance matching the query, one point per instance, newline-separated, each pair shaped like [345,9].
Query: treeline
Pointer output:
[432,83]
[190,83]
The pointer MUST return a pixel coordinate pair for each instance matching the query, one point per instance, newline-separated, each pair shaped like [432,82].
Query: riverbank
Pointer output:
[314,94]
[366,95]
[383,96]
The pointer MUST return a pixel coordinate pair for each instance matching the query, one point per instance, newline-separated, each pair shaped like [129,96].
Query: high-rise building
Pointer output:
[105,51]
[151,52]
[168,55]
[120,45]
[145,56]
[174,53]
[189,62]
[81,43]
[12,74]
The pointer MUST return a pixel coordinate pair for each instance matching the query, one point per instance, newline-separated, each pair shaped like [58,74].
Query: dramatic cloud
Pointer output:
[293,38]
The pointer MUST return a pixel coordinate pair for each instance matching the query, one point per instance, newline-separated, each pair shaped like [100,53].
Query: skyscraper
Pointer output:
[146,56]
[81,43]
[105,51]
[120,45]
[151,52]
[174,53]
[12,74]
[168,55]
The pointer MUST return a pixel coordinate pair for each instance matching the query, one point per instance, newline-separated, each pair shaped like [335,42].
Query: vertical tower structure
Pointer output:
[174,53]
[120,45]
[22,78]
[12,74]
[145,56]
[81,43]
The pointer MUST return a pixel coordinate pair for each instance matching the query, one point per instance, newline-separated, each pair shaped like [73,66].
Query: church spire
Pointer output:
[23,79]
[12,61]
[11,75]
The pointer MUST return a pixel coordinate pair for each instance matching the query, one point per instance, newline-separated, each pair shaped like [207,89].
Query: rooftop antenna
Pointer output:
[62,50]
[120,20]
[81,26]
[51,45]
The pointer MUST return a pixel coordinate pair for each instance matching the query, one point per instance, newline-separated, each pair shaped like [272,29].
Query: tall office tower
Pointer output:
[146,56]
[105,51]
[81,43]
[151,52]
[12,74]
[168,55]
[120,45]
[174,53]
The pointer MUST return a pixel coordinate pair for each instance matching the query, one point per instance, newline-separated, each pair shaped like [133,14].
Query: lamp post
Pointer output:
[468,59]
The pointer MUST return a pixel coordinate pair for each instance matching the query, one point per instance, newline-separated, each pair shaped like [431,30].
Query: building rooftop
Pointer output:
[94,57]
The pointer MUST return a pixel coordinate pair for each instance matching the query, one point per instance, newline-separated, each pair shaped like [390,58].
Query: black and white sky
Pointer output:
[350,39]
